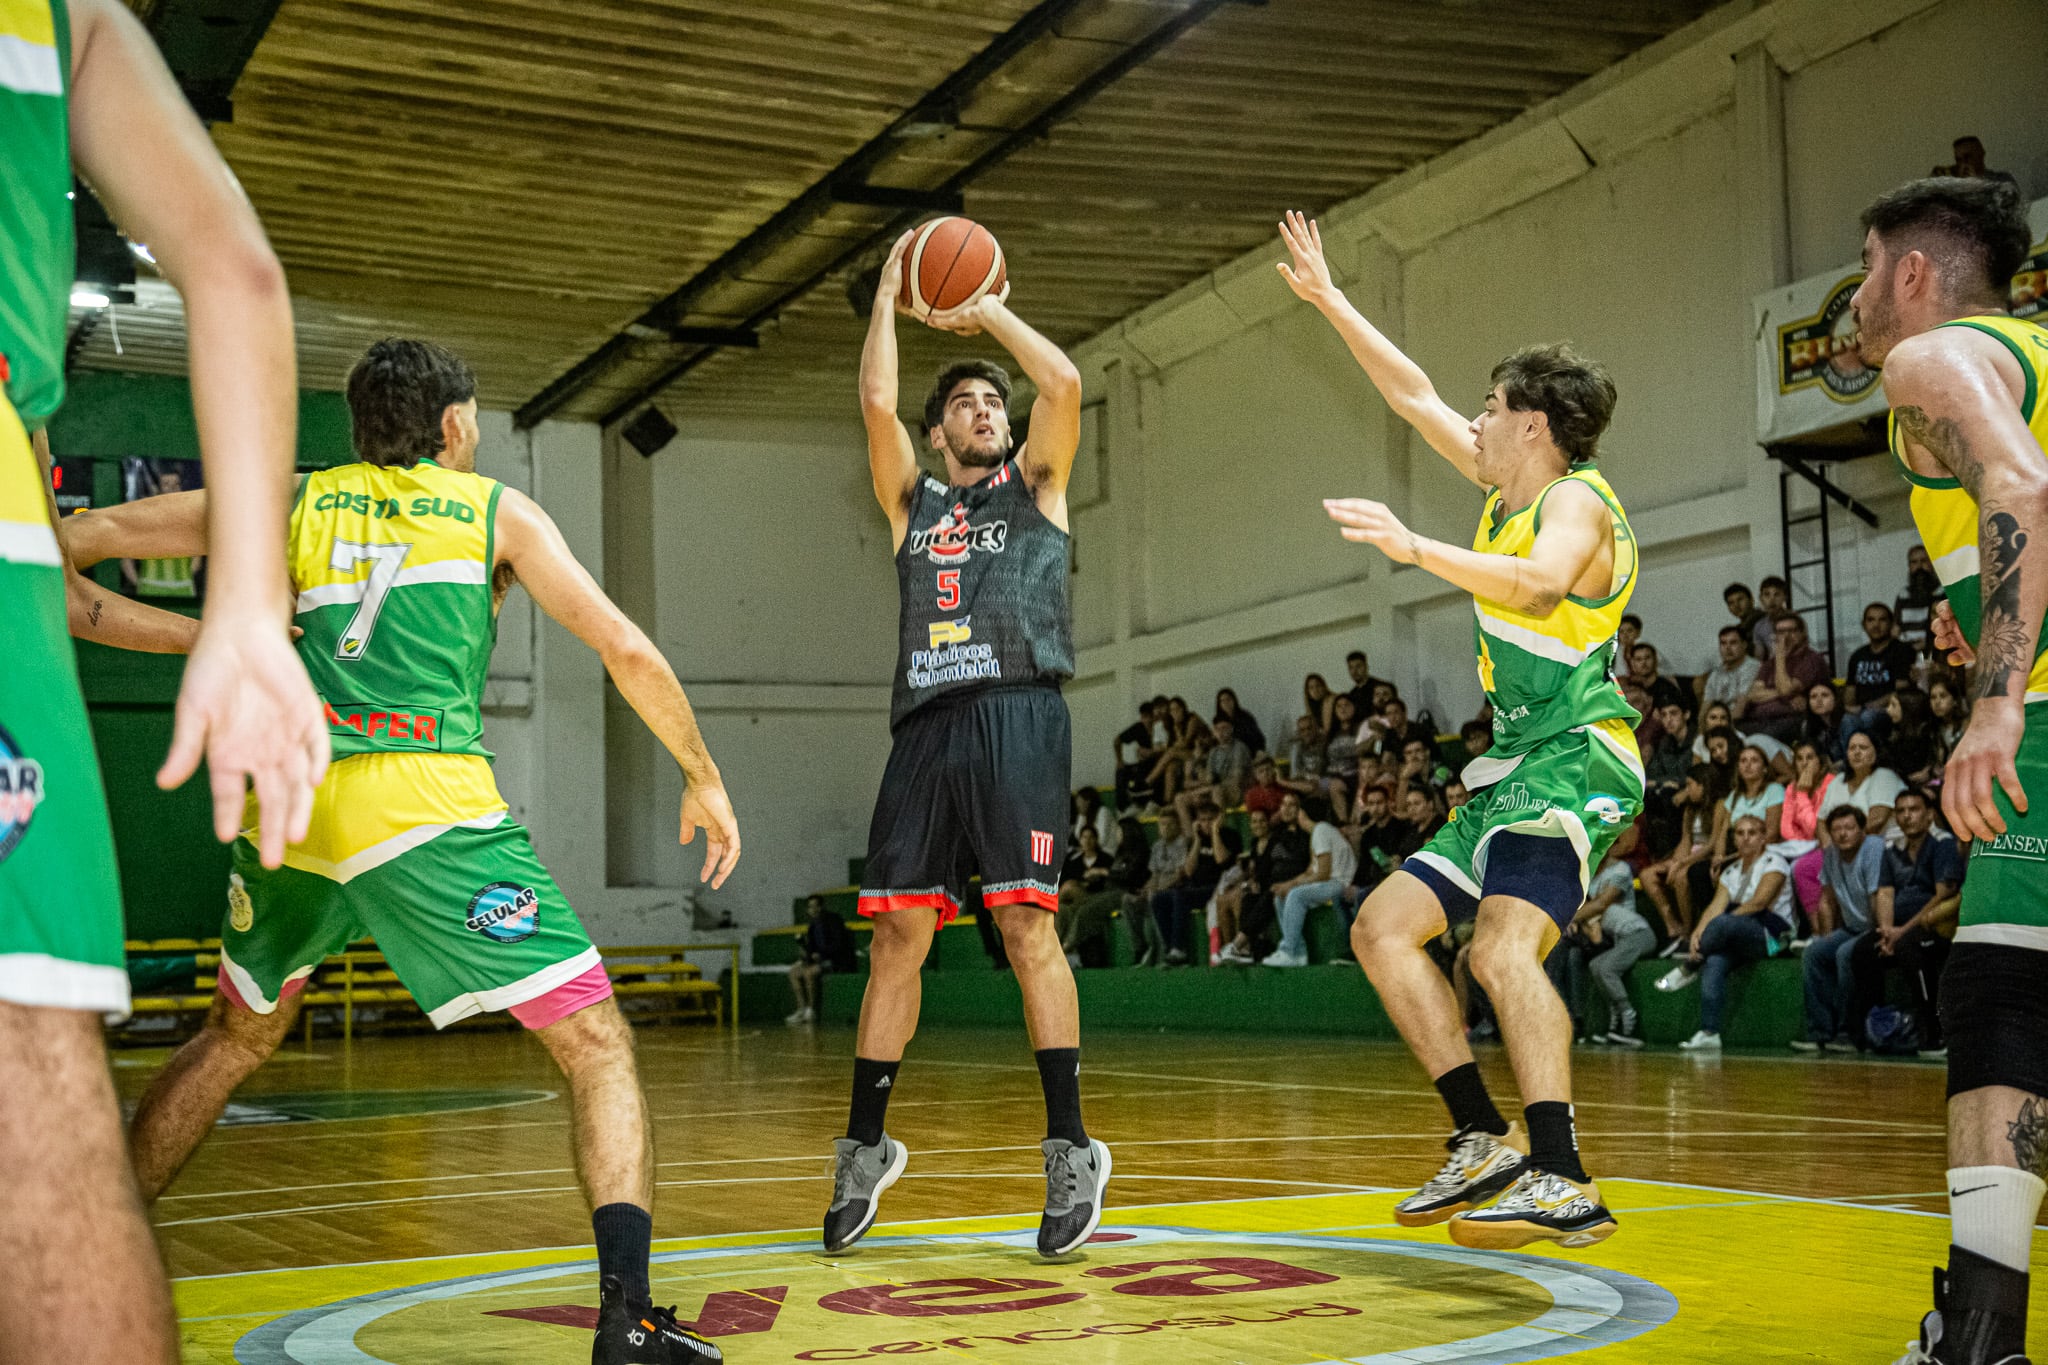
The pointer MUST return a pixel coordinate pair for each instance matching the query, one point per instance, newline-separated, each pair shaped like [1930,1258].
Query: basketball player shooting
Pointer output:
[1550,571]
[1963,379]
[978,772]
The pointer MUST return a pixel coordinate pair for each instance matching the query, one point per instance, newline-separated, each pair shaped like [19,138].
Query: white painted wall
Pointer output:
[1636,215]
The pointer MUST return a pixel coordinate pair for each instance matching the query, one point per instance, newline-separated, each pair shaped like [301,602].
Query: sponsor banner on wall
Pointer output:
[1810,374]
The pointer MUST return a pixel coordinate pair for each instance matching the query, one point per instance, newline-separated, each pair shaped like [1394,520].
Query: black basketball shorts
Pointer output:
[975,783]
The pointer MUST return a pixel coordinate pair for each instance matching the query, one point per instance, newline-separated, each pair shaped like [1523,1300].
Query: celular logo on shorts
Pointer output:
[1608,808]
[21,791]
[505,911]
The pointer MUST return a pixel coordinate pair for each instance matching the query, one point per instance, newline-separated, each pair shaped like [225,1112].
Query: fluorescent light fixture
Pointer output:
[89,298]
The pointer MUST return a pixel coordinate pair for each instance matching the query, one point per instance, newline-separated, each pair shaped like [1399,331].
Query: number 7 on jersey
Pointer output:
[386,562]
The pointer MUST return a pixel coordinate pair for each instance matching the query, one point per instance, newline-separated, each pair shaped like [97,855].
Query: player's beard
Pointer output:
[1876,330]
[974,454]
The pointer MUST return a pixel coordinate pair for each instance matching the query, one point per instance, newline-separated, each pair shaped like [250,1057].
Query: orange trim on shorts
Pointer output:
[1023,895]
[874,903]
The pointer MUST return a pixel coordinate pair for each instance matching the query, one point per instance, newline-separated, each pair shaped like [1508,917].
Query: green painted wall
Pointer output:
[173,873]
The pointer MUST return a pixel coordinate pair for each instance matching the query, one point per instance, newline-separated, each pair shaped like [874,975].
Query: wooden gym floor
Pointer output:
[410,1200]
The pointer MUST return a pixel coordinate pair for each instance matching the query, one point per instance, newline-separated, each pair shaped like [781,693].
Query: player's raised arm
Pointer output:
[1954,399]
[892,459]
[529,541]
[1400,380]
[1055,431]
[245,704]
[1576,524]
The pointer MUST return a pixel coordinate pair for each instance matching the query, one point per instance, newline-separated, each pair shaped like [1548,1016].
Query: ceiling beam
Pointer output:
[800,213]
[1016,140]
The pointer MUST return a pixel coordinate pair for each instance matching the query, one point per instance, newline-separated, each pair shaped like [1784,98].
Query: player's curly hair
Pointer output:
[1575,393]
[952,377]
[1975,229]
[396,395]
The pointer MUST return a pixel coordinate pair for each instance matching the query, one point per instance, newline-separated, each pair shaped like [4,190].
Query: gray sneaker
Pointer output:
[858,1179]
[1075,1178]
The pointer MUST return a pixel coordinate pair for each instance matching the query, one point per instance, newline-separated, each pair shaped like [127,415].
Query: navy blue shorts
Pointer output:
[1541,869]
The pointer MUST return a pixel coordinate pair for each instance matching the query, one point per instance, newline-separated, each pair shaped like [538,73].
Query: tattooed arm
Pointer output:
[1956,394]
[94,613]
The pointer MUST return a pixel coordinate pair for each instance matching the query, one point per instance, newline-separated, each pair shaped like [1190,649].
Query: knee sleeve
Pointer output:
[1994,1014]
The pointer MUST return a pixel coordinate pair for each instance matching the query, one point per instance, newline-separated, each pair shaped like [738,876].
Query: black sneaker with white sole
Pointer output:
[859,1176]
[1979,1317]
[1075,1178]
[643,1336]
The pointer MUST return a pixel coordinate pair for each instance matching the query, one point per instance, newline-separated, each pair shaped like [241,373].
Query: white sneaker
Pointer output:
[1933,1054]
[1702,1041]
[1805,1045]
[1233,955]
[1281,958]
[794,1017]
[810,1014]
[1678,978]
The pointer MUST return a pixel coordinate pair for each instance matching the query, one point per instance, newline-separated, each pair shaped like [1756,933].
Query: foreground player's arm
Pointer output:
[108,618]
[1953,392]
[892,460]
[1400,380]
[532,545]
[246,704]
[1576,523]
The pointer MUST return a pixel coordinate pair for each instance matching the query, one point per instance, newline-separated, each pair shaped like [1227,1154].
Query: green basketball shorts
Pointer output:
[2005,894]
[1539,825]
[417,852]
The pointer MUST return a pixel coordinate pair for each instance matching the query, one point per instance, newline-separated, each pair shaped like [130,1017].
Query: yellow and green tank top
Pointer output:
[1546,675]
[392,568]
[37,254]
[1943,509]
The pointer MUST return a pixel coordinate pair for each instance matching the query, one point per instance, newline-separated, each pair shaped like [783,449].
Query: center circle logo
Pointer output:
[21,791]
[505,911]
[1140,1295]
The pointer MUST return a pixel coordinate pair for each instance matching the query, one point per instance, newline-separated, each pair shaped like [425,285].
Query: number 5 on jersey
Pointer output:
[949,589]
[386,560]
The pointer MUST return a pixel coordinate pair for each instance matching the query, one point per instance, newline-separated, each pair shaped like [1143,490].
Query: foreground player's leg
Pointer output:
[868,1161]
[1401,915]
[1996,1025]
[85,1285]
[188,1096]
[1076,1166]
[614,1147]
[1552,1199]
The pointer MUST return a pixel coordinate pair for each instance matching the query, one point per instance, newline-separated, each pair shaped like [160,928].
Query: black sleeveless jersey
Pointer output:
[983,582]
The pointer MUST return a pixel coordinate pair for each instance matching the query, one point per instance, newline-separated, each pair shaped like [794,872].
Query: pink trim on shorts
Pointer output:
[225,982]
[564,1000]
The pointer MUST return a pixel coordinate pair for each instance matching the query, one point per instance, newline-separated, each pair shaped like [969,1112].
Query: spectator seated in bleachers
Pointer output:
[827,946]
[1319,703]
[1774,596]
[1138,746]
[1245,913]
[1729,681]
[1852,896]
[1949,714]
[1913,750]
[1089,811]
[1129,872]
[1799,824]
[1876,670]
[1821,726]
[1610,936]
[1387,734]
[1870,788]
[1754,793]
[1365,688]
[1168,865]
[1266,789]
[1749,919]
[1332,863]
[1914,608]
[1340,753]
[1669,881]
[1089,898]
[1242,723]
[1777,698]
[1307,760]
[1382,840]
[1225,769]
[1925,878]
[1476,736]
[1646,668]
[1215,846]
[1748,615]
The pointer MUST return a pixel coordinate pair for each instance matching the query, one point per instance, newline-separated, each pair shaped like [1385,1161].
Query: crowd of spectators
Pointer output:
[1785,811]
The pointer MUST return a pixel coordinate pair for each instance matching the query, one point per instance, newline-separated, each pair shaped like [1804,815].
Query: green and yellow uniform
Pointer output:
[1564,762]
[60,901]
[410,841]
[2005,898]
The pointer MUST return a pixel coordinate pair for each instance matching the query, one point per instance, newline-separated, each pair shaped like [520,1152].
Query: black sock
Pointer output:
[623,1234]
[1553,1141]
[1471,1107]
[873,1083]
[1059,1071]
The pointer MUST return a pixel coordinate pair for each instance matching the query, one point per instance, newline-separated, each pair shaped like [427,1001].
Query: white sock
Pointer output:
[1992,1209]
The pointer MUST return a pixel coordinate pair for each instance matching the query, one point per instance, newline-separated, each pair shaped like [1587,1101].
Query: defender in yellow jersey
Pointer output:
[399,564]
[1964,382]
[1550,572]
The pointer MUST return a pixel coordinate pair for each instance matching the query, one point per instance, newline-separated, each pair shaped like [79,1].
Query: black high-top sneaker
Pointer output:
[1979,1317]
[651,1336]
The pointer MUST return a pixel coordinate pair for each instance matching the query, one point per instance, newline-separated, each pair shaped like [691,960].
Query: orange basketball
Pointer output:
[951,263]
